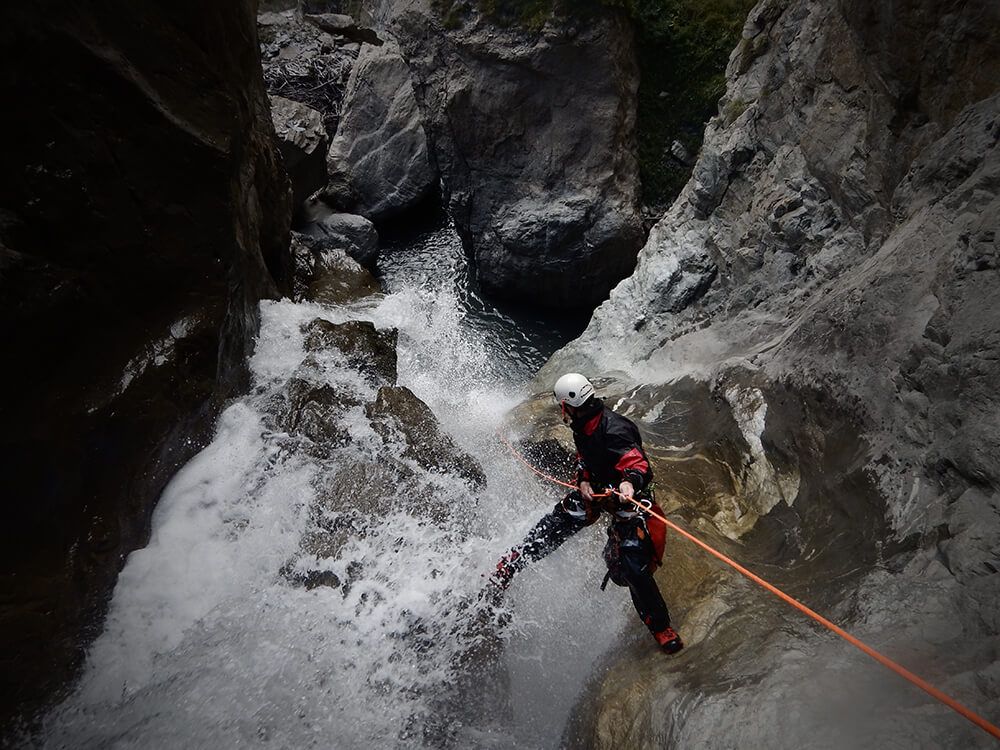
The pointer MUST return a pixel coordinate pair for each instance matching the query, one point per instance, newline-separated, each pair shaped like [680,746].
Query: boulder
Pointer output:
[313,409]
[533,132]
[370,351]
[351,233]
[340,280]
[329,275]
[303,143]
[345,26]
[353,493]
[396,411]
[379,154]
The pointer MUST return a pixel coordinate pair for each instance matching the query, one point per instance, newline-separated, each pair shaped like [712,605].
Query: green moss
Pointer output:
[528,14]
[733,109]
[453,19]
[683,47]
[450,12]
[749,50]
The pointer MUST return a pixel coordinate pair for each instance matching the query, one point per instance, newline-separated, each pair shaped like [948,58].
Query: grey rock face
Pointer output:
[303,143]
[847,198]
[379,157]
[534,136]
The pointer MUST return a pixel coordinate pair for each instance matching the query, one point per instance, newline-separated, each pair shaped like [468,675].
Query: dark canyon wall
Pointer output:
[144,212]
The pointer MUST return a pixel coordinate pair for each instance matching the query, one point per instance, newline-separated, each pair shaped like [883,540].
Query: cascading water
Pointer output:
[207,643]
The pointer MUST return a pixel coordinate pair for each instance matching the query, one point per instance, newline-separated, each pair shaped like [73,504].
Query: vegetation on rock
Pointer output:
[682,46]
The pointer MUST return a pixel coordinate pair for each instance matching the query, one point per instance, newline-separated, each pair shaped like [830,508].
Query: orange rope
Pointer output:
[880,658]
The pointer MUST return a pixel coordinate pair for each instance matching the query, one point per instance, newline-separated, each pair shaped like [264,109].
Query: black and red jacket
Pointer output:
[609,449]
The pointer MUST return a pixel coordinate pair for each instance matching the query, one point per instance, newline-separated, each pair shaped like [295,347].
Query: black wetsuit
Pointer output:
[609,450]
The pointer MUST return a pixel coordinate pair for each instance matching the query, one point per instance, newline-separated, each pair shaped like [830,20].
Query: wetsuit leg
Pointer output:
[566,518]
[646,596]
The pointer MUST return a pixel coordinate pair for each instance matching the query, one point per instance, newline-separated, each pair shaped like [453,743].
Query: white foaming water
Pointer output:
[207,644]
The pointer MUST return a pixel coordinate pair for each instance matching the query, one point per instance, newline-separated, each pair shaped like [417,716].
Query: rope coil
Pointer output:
[885,661]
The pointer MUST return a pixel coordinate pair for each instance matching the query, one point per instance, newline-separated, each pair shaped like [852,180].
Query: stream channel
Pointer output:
[206,642]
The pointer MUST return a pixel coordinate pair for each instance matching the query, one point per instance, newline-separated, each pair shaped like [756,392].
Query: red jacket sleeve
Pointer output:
[634,467]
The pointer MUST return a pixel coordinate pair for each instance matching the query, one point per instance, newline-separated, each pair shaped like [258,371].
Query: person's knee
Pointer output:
[550,533]
[634,564]
[576,511]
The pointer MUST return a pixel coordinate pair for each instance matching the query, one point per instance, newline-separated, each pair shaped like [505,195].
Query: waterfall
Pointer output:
[207,643]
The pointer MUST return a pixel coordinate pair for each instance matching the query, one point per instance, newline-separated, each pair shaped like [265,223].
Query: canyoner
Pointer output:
[613,476]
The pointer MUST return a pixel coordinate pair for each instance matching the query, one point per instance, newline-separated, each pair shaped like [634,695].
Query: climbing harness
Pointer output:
[877,656]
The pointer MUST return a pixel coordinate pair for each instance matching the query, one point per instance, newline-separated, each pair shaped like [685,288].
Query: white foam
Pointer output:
[206,644]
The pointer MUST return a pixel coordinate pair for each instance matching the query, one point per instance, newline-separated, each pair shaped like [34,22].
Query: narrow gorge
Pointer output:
[279,283]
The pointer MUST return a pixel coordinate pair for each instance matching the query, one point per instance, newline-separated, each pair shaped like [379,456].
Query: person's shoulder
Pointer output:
[620,420]
[612,414]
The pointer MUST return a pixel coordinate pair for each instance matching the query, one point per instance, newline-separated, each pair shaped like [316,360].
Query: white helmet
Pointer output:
[572,389]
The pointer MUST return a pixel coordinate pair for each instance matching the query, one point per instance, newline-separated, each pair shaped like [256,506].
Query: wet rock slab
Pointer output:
[328,275]
[397,411]
[409,459]
[371,351]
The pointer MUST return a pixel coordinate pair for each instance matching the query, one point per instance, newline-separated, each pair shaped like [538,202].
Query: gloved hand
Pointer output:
[627,490]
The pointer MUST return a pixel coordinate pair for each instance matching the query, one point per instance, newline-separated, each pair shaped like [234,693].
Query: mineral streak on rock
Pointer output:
[379,159]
